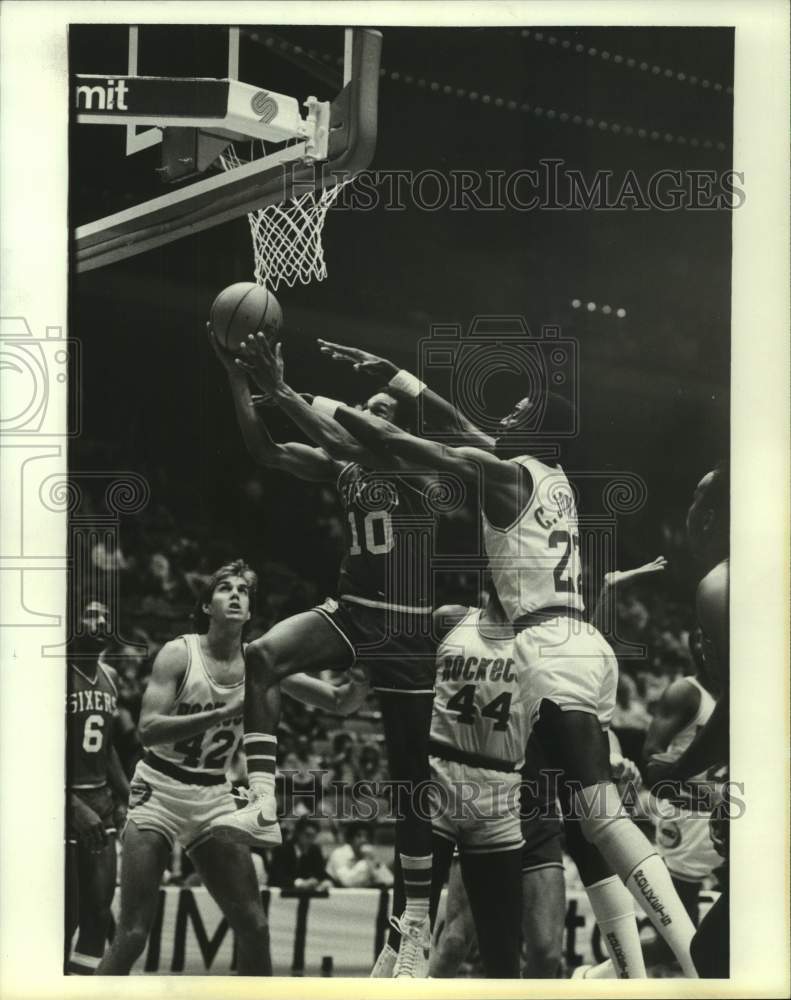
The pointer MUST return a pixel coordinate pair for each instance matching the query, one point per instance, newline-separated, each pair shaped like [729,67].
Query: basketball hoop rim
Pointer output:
[215,200]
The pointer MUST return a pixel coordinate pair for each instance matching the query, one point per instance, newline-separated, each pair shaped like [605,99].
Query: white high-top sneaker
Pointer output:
[386,959]
[385,963]
[254,824]
[415,950]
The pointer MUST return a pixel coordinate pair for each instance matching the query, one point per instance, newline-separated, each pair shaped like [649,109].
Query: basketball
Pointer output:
[242,309]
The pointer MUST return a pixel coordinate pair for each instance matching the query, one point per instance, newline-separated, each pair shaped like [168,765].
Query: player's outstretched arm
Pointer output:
[602,613]
[265,366]
[300,460]
[442,415]
[157,725]
[341,699]
[506,486]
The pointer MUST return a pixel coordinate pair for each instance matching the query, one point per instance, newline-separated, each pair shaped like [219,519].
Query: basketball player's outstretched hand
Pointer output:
[263,364]
[361,361]
[620,576]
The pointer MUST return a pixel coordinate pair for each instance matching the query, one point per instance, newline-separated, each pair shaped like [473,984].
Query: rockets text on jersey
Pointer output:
[212,751]
[535,562]
[91,708]
[479,701]
[389,535]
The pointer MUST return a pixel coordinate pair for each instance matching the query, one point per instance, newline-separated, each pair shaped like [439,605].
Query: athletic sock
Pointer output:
[651,885]
[83,965]
[613,908]
[417,886]
[635,860]
[261,753]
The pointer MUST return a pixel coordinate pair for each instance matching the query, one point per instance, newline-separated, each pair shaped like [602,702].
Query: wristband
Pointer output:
[325,406]
[407,383]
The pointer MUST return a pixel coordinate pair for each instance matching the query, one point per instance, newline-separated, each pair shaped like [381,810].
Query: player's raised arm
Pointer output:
[444,417]
[506,485]
[265,366]
[602,613]
[301,460]
[157,725]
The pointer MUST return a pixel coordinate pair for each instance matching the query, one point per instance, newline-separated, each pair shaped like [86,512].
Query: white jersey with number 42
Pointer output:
[535,562]
[212,751]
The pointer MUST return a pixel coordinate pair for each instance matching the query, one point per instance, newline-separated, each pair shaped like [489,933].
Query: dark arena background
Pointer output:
[644,291]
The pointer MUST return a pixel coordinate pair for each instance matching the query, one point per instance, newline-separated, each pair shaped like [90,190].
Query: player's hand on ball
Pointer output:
[361,361]
[262,363]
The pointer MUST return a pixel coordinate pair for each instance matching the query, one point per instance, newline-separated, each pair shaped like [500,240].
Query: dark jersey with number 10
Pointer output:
[389,529]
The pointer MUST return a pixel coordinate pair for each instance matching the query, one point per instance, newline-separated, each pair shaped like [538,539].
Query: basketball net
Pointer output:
[287,243]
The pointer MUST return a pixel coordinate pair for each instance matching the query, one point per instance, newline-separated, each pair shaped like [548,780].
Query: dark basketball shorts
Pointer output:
[540,812]
[103,803]
[396,647]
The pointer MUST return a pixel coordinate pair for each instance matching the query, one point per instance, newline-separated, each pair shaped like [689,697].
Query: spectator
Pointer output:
[353,865]
[371,767]
[342,764]
[298,863]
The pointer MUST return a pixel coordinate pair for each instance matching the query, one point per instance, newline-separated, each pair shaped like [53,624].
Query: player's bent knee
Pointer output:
[600,811]
[263,662]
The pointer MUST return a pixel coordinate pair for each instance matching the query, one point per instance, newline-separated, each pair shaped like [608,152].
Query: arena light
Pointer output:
[592,307]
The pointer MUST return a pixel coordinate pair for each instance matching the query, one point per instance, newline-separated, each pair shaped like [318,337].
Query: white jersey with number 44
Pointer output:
[480,695]
[535,562]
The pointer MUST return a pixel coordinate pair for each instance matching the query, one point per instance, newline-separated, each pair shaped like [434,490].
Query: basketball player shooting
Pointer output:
[380,617]
[532,542]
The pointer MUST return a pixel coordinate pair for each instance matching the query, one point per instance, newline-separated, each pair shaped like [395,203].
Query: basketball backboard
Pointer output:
[155,106]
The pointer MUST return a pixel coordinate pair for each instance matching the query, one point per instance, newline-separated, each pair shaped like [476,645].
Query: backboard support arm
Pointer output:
[215,200]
